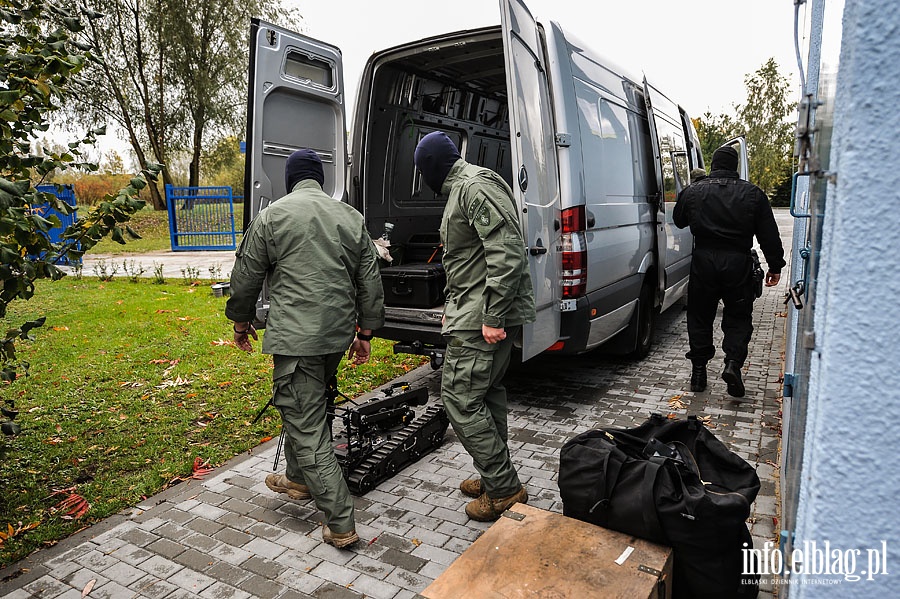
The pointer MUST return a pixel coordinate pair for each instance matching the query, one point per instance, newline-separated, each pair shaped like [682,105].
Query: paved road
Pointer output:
[229,536]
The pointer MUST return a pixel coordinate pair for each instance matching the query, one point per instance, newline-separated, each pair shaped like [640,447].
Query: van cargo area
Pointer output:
[455,84]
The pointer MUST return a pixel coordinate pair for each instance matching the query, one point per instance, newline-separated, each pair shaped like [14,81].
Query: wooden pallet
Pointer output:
[534,553]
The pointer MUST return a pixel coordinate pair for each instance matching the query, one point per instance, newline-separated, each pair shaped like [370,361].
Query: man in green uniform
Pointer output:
[489,298]
[323,284]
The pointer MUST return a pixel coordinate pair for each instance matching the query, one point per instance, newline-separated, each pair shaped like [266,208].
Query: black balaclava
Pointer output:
[725,159]
[434,157]
[303,164]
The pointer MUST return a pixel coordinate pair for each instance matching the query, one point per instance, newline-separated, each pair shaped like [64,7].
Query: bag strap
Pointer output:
[648,502]
[611,468]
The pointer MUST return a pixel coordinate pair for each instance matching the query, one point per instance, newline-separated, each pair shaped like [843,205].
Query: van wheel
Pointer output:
[645,321]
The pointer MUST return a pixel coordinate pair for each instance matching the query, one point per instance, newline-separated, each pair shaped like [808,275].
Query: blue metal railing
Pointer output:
[201,218]
[66,193]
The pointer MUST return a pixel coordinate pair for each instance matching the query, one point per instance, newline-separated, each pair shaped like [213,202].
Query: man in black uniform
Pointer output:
[724,213]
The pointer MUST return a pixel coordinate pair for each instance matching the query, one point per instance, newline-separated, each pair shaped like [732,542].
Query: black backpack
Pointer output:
[671,482]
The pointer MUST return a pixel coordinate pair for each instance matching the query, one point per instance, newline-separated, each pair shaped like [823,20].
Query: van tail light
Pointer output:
[574,253]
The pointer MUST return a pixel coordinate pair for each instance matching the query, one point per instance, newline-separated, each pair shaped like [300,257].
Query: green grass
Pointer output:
[129,383]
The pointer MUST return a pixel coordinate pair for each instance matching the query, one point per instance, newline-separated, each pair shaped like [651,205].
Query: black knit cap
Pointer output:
[434,157]
[303,164]
[725,159]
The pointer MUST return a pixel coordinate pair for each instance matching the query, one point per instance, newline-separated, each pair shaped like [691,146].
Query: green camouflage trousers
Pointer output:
[299,394]
[475,400]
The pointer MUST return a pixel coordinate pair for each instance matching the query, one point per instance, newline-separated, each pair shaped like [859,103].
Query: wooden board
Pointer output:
[534,553]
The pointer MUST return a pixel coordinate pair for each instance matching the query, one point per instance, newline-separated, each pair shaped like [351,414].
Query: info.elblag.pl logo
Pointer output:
[815,559]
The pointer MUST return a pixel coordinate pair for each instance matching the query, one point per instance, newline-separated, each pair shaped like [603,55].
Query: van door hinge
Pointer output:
[563,140]
[788,385]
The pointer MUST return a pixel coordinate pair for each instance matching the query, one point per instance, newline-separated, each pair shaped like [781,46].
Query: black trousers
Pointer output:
[720,275]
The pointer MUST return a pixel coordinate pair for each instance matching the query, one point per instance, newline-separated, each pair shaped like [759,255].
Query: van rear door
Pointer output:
[534,165]
[295,100]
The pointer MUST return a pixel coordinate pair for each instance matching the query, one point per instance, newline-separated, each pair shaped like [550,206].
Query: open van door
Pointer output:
[536,185]
[740,145]
[295,99]
[671,163]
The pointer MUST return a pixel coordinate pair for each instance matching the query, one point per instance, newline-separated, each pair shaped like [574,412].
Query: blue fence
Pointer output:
[66,193]
[201,218]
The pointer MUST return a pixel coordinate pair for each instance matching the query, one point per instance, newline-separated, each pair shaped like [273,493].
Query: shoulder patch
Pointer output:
[484,216]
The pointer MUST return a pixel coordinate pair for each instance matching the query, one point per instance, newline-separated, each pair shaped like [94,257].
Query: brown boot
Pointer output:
[339,539]
[488,509]
[281,484]
[471,487]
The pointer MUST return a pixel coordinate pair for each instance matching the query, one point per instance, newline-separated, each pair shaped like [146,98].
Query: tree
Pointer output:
[769,132]
[224,164]
[125,84]
[41,59]
[173,73]
[713,131]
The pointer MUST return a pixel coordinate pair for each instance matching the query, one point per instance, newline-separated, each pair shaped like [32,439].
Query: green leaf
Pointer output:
[10,96]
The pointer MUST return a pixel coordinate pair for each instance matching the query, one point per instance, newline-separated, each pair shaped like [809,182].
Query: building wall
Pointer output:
[850,479]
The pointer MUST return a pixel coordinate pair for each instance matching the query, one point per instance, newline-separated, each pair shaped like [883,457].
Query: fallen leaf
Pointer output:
[676,404]
[201,468]
[87,588]
[190,395]
[11,532]
[60,328]
[416,542]
[225,384]
[72,507]
[264,439]
[221,342]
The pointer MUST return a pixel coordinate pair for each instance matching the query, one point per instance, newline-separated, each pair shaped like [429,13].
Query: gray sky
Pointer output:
[698,52]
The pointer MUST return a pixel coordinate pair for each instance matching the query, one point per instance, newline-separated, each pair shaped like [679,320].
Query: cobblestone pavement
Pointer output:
[230,537]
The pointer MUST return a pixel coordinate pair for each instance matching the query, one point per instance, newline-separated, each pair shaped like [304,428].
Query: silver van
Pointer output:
[595,157]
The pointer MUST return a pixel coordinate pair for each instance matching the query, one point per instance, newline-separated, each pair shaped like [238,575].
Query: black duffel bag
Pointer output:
[671,482]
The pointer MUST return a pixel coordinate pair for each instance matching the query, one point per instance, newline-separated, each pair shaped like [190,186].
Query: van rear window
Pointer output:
[306,68]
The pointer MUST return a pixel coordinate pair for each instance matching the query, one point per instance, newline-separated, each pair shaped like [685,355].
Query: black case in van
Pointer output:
[414,285]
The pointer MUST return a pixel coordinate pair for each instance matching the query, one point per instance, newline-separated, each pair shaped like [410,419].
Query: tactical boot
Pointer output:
[732,376]
[339,539]
[488,509]
[698,377]
[280,484]
[471,487]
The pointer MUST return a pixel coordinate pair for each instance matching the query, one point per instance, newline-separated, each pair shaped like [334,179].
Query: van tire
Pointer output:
[644,320]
